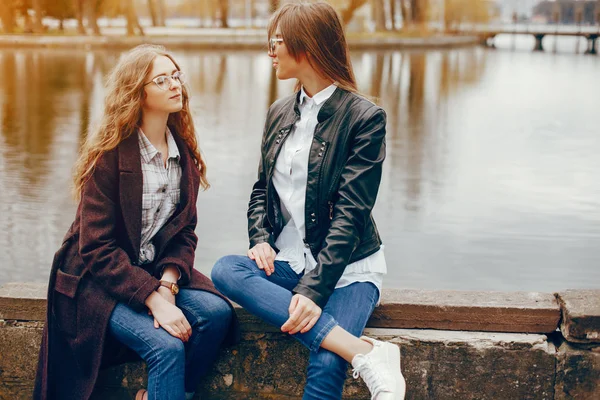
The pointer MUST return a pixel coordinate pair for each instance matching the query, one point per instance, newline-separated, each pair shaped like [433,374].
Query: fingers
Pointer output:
[301,325]
[310,324]
[156,324]
[304,314]
[264,255]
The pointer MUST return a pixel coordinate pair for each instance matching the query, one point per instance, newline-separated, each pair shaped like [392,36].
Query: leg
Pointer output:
[326,370]
[209,316]
[267,297]
[163,353]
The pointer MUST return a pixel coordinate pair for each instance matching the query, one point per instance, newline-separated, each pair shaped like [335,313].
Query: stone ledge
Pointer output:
[424,309]
[580,315]
[436,365]
[583,385]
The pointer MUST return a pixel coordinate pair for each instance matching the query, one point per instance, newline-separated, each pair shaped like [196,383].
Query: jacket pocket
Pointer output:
[65,302]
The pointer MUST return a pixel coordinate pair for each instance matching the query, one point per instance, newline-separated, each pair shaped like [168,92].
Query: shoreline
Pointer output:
[239,40]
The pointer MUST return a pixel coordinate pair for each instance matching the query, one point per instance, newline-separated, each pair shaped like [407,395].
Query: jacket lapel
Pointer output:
[190,181]
[131,190]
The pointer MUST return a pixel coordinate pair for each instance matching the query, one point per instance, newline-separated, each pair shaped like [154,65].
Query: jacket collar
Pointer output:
[331,105]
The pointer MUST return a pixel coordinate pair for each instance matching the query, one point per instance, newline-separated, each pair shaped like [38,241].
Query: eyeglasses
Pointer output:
[164,81]
[272,43]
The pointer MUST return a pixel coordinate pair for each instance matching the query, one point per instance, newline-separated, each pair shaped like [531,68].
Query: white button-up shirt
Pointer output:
[289,179]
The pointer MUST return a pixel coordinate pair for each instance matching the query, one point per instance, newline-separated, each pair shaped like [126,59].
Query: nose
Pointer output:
[174,83]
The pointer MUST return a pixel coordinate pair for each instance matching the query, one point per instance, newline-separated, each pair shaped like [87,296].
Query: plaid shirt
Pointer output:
[162,191]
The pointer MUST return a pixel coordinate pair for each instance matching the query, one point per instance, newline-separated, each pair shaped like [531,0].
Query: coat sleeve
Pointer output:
[108,263]
[259,229]
[358,187]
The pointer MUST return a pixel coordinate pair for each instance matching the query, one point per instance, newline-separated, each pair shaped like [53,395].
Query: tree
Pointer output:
[38,27]
[378,11]
[348,12]
[274,5]
[132,19]
[224,11]
[59,9]
[419,10]
[8,15]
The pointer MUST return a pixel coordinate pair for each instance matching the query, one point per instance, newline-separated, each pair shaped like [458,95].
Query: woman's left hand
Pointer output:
[304,314]
[167,295]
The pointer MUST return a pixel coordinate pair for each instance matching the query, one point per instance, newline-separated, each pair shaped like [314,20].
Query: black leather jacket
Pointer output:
[344,172]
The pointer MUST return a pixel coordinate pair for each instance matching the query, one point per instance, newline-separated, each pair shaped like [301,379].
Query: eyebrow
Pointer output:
[164,73]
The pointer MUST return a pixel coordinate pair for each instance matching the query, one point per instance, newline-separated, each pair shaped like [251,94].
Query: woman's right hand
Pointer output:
[264,255]
[169,317]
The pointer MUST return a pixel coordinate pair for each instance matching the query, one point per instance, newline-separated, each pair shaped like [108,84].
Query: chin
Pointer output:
[282,75]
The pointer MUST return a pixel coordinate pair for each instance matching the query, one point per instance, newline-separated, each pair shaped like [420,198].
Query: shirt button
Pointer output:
[157,210]
[313,220]
[164,189]
[313,215]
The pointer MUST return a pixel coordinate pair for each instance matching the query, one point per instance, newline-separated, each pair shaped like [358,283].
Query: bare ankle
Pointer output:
[365,347]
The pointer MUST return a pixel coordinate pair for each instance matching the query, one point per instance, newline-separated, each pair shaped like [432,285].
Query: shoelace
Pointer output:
[372,379]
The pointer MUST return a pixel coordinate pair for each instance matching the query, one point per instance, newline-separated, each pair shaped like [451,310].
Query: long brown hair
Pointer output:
[315,30]
[123,111]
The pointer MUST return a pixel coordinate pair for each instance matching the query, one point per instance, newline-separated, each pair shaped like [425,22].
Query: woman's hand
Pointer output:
[169,317]
[167,295]
[264,255]
[304,314]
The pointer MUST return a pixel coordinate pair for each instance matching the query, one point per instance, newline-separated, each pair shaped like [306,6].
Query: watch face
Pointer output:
[175,289]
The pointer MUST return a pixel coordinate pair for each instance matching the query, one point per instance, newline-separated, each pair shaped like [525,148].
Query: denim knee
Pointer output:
[169,350]
[220,316]
[222,271]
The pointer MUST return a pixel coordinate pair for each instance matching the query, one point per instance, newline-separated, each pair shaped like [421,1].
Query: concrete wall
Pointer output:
[455,345]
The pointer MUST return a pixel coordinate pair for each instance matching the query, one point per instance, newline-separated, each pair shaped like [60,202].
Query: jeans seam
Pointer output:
[125,327]
[316,343]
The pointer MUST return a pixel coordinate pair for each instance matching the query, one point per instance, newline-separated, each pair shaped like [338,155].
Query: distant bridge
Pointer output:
[591,34]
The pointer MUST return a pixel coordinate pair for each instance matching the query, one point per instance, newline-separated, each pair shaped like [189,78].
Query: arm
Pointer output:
[259,229]
[358,186]
[179,254]
[108,263]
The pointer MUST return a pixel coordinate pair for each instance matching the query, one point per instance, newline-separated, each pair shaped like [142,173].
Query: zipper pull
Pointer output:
[330,210]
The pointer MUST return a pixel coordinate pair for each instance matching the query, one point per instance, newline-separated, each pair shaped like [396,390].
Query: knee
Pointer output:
[220,316]
[170,350]
[222,271]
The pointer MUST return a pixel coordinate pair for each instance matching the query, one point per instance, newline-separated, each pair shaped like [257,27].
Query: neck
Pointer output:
[313,83]
[154,126]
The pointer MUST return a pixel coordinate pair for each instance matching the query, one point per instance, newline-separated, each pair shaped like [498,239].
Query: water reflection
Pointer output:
[466,200]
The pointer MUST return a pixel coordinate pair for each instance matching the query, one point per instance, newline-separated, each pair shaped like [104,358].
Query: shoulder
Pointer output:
[363,108]
[283,104]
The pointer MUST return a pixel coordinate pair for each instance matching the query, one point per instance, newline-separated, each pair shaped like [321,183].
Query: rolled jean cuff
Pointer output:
[316,343]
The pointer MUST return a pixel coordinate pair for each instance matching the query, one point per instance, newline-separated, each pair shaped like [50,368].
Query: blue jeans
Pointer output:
[174,367]
[269,297]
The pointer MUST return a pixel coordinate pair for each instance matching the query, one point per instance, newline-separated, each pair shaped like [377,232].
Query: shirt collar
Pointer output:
[148,151]
[320,97]
[173,150]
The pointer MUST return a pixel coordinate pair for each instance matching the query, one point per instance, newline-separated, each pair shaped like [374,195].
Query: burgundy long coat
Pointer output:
[92,270]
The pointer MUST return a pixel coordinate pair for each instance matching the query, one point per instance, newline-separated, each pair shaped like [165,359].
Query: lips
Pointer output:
[177,96]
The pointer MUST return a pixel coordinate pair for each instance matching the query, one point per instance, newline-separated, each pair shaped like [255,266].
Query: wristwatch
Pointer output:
[172,286]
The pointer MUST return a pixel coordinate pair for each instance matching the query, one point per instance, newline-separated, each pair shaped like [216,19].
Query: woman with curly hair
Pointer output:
[123,280]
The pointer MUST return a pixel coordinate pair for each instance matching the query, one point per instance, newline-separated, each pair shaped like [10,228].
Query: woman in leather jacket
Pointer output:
[315,264]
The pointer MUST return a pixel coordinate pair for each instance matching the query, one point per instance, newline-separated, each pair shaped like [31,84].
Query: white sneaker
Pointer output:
[380,370]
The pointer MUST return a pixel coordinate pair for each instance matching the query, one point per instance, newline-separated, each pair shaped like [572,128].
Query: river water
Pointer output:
[490,182]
